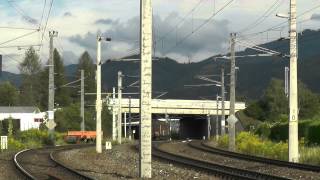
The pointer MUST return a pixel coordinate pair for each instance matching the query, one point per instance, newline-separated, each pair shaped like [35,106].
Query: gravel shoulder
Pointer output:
[122,163]
[7,167]
[183,149]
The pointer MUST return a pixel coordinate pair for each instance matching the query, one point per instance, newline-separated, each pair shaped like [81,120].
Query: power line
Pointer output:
[256,47]
[42,15]
[22,12]
[24,35]
[22,28]
[10,57]
[19,46]
[200,26]
[263,17]
[282,24]
[45,27]
[182,20]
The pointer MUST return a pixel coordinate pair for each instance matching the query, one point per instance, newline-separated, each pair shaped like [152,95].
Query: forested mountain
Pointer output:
[253,76]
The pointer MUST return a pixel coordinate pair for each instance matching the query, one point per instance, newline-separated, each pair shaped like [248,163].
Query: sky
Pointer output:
[181,27]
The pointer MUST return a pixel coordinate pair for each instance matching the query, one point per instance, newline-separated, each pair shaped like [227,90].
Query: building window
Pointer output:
[38,120]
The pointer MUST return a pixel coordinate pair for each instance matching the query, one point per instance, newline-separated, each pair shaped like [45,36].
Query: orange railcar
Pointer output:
[77,136]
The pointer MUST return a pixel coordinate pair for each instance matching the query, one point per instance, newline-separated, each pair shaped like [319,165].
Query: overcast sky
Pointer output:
[79,21]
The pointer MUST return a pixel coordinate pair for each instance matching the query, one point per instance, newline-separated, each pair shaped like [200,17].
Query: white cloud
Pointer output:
[76,18]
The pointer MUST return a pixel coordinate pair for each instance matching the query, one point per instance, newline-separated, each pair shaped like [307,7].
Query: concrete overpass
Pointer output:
[174,107]
[177,106]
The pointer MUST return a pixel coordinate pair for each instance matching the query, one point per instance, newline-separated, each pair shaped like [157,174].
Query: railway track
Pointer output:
[206,148]
[42,164]
[222,171]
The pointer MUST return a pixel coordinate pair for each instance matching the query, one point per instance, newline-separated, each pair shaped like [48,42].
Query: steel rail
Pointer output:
[204,147]
[29,175]
[217,169]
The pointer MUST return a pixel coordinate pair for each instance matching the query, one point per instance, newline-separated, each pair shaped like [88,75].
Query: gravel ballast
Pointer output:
[185,150]
[122,163]
[7,167]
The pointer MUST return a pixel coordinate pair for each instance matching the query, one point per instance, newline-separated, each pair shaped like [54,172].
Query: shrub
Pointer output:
[308,129]
[249,143]
[264,130]
[223,141]
[313,133]
[15,144]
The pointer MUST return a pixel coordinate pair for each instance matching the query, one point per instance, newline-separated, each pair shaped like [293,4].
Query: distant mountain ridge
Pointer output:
[253,76]
[15,79]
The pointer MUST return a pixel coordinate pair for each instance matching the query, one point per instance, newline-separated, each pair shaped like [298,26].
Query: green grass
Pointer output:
[249,143]
[310,155]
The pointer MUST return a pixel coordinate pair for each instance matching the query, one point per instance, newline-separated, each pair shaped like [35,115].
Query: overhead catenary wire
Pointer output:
[21,28]
[43,10]
[181,21]
[254,46]
[282,24]
[19,37]
[19,46]
[10,56]
[22,12]
[45,27]
[263,17]
[199,27]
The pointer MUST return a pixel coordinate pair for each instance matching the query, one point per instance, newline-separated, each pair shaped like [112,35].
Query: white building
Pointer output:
[29,117]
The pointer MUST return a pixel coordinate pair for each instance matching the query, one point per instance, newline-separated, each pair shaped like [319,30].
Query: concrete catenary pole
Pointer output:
[223,117]
[145,169]
[51,122]
[170,125]
[232,130]
[129,131]
[114,127]
[286,81]
[217,118]
[209,126]
[119,131]
[98,101]
[82,101]
[125,125]
[293,95]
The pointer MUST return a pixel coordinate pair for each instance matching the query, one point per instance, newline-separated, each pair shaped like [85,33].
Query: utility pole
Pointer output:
[232,118]
[170,125]
[286,81]
[119,107]
[129,118]
[145,169]
[217,118]
[293,96]
[125,125]
[98,101]
[223,118]
[209,126]
[114,127]
[82,101]
[51,124]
